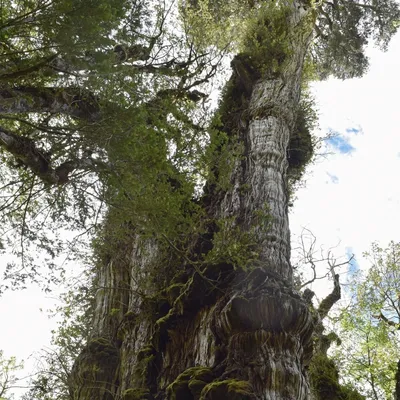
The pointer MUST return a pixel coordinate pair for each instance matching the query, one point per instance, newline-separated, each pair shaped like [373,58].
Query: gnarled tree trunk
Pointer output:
[225,331]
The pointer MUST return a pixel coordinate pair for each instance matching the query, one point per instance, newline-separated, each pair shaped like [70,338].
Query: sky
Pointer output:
[351,196]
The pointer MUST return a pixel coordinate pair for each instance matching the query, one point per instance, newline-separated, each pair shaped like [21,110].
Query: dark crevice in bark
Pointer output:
[397,382]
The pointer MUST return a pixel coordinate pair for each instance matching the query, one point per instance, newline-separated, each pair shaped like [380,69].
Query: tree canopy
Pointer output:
[93,105]
[97,96]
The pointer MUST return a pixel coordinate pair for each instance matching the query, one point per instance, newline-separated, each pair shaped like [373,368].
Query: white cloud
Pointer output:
[363,204]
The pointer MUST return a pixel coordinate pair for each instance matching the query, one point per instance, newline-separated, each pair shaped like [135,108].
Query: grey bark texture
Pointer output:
[246,336]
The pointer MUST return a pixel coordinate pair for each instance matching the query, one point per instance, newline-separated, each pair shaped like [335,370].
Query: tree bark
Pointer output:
[397,381]
[224,332]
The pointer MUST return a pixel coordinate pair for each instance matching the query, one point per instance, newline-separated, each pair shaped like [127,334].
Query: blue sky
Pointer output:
[333,178]
[341,143]
[353,130]
[349,199]
[354,266]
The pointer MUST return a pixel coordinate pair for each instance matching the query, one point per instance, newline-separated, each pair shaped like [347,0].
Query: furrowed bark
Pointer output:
[224,332]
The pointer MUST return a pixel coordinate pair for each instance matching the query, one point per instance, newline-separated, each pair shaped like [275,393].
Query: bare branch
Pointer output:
[308,258]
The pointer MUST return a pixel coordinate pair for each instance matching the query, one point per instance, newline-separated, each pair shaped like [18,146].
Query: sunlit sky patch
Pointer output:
[354,266]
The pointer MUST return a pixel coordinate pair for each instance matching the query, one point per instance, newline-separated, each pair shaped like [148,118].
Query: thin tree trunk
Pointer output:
[224,333]
[397,382]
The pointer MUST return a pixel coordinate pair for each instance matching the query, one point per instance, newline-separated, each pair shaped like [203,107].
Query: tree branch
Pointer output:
[33,68]
[328,302]
[71,101]
[29,155]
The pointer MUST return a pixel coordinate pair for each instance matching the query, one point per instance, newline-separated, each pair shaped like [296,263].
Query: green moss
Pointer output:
[302,144]
[101,348]
[98,362]
[135,394]
[145,364]
[267,38]
[130,316]
[245,188]
[163,320]
[196,386]
[174,291]
[189,384]
[301,148]
[325,381]
[234,246]
[231,389]
[145,374]
[126,325]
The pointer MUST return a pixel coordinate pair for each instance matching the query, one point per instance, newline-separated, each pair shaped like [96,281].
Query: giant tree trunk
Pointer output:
[227,331]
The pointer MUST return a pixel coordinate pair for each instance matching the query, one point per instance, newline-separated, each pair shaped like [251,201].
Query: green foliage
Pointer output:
[132,132]
[325,384]
[129,131]
[217,23]
[226,24]
[33,31]
[267,38]
[44,53]
[8,367]
[50,381]
[301,148]
[343,31]
[234,246]
[370,343]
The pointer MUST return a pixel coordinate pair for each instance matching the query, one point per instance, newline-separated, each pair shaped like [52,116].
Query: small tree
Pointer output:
[370,325]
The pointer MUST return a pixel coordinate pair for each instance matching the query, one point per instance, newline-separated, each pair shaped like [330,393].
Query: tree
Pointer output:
[369,326]
[54,364]
[195,295]
[8,367]
[79,77]
[324,374]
